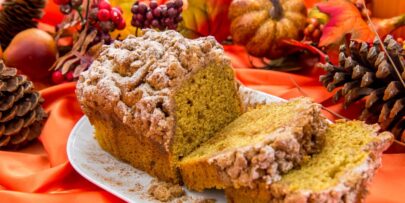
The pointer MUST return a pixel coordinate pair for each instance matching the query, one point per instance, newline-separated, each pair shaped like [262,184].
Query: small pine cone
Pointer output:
[18,15]
[364,71]
[21,114]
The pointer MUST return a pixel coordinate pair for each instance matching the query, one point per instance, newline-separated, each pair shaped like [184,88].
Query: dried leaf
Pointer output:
[79,69]
[87,41]
[344,18]
[299,55]
[95,50]
[294,45]
[206,17]
[68,64]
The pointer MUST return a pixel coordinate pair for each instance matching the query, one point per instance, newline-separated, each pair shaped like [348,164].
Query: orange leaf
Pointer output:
[292,45]
[52,15]
[206,17]
[344,18]
[310,3]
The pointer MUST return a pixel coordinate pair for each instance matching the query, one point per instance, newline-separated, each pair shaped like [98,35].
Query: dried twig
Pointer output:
[306,95]
[383,47]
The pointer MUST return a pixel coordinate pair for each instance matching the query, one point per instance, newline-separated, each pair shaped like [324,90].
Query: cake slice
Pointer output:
[153,99]
[261,144]
[339,173]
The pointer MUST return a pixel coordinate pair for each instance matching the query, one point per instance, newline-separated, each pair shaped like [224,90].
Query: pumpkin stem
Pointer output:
[276,12]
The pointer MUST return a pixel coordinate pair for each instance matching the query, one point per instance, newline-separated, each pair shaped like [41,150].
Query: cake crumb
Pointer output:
[164,191]
[138,187]
[190,199]
[204,200]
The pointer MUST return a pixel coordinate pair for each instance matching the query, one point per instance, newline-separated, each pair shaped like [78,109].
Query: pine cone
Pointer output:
[18,15]
[364,71]
[21,114]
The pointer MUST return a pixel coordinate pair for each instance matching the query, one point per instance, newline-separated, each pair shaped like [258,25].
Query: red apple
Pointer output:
[33,52]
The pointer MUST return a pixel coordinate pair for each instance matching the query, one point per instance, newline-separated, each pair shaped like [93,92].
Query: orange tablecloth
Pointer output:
[42,173]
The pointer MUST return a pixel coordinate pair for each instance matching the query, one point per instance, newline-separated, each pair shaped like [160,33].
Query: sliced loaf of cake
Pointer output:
[261,144]
[339,173]
[153,99]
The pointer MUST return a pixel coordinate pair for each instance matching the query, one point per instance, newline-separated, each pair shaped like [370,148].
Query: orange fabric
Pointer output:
[42,173]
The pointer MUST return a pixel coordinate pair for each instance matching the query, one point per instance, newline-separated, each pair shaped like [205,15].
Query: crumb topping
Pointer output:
[134,79]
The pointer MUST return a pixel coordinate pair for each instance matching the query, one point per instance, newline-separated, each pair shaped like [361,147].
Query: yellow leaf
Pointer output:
[206,17]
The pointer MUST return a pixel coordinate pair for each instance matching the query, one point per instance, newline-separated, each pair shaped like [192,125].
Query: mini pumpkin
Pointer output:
[260,25]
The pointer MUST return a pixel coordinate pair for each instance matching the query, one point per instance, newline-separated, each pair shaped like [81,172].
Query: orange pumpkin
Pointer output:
[388,9]
[260,25]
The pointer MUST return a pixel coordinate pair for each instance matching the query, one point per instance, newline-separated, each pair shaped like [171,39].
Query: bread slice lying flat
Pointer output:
[339,173]
[260,145]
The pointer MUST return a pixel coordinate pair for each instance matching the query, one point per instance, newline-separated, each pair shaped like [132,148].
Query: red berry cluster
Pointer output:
[105,19]
[313,30]
[165,16]
[59,78]
[66,6]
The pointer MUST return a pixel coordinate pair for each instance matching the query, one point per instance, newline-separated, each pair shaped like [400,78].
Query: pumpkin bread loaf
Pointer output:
[260,145]
[153,99]
[339,173]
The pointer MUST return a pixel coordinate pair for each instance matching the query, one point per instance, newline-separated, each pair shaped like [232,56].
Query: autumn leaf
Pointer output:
[311,3]
[52,15]
[344,18]
[206,17]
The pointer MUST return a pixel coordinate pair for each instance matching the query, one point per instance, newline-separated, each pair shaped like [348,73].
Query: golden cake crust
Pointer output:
[134,81]
[351,187]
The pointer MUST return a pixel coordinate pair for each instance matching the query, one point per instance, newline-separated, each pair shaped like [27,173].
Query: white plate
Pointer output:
[121,179]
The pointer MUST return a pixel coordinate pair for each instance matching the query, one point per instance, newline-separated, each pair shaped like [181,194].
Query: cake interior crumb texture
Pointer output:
[203,107]
[252,127]
[345,149]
